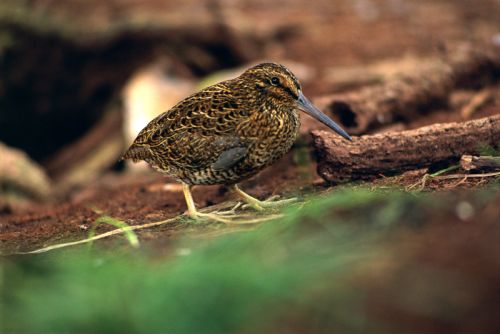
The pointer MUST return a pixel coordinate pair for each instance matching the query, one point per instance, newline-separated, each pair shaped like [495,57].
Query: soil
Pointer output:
[354,39]
[134,198]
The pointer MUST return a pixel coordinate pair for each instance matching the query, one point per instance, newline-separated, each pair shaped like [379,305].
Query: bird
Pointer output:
[228,132]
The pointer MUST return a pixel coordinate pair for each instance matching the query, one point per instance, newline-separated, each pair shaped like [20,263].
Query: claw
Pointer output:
[259,205]
[236,219]
[269,203]
[231,211]
[210,216]
[230,216]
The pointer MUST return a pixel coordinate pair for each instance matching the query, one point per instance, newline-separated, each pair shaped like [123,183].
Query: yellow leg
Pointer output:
[189,201]
[258,204]
[195,214]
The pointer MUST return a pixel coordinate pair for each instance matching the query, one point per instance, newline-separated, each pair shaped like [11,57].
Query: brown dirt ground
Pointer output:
[142,198]
[148,196]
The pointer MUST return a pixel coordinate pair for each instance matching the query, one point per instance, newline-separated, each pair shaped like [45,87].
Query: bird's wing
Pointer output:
[229,158]
[198,132]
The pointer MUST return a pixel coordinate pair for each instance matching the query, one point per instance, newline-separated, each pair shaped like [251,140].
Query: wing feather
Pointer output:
[198,132]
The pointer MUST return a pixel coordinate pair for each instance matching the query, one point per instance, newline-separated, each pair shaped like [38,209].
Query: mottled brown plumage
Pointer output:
[229,131]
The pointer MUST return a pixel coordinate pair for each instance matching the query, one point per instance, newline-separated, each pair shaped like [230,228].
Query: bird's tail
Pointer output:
[136,153]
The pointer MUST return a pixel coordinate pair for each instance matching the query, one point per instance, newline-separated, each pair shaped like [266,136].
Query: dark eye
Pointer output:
[275,81]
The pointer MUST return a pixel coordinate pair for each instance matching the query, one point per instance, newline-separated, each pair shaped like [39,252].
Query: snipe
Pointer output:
[228,132]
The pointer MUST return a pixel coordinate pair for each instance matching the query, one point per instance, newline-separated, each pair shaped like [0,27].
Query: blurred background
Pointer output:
[80,78]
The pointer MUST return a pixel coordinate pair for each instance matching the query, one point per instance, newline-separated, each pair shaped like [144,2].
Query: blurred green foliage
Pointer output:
[296,274]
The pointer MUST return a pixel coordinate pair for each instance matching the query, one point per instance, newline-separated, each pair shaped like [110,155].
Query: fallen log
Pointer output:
[21,178]
[392,153]
[413,93]
[470,162]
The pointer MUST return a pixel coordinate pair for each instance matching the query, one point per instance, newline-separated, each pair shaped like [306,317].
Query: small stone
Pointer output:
[464,210]
[183,251]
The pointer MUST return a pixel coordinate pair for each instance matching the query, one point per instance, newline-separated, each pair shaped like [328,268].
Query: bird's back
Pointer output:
[222,134]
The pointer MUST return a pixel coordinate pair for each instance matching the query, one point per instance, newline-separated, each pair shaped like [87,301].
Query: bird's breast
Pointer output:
[272,135]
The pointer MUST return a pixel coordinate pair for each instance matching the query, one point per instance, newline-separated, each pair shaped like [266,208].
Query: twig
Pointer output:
[129,228]
[421,182]
[438,176]
[101,236]
[476,103]
[458,176]
[129,234]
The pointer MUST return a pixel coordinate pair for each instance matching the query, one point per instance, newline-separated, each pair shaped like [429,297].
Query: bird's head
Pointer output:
[279,84]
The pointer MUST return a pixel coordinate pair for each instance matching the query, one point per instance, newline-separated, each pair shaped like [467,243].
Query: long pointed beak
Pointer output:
[308,107]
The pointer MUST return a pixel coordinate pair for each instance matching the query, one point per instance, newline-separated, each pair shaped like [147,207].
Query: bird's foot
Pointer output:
[215,216]
[259,205]
[223,216]
[231,218]
[230,212]
[269,203]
